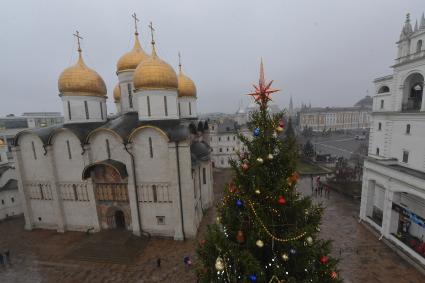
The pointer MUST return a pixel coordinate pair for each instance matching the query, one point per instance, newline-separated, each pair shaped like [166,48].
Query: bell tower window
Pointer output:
[69,110]
[130,96]
[165,106]
[149,105]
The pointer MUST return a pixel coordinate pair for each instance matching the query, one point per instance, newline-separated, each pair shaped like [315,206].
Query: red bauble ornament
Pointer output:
[282,200]
[282,124]
[240,237]
[324,259]
[232,188]
[334,275]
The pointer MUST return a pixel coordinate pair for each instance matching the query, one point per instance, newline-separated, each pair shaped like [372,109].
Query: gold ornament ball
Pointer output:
[318,229]
[309,240]
[259,243]
[279,129]
[260,160]
[270,156]
[257,191]
[219,264]
[285,257]
[217,220]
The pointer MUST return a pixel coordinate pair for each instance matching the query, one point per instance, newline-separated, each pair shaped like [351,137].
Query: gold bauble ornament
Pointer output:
[259,243]
[218,219]
[260,160]
[257,191]
[309,240]
[270,156]
[219,264]
[285,257]
[279,129]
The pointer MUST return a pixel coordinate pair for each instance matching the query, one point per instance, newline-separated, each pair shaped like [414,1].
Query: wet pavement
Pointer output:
[44,256]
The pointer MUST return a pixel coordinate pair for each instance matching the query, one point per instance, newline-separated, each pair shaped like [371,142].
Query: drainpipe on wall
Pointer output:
[133,167]
[180,188]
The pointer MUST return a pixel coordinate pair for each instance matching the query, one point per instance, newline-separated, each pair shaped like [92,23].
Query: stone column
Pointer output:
[368,191]
[23,193]
[132,197]
[423,101]
[174,189]
[386,219]
[90,190]
[57,196]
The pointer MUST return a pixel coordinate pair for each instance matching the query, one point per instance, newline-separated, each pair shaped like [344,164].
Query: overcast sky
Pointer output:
[326,52]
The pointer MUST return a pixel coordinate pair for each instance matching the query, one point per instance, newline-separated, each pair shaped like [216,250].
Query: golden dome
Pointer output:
[130,60]
[1,143]
[117,93]
[187,87]
[81,80]
[154,73]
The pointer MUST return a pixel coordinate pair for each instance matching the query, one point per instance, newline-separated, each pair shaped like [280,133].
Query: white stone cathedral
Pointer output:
[148,170]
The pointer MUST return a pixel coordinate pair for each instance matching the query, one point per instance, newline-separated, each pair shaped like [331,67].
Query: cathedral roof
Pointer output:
[201,150]
[123,126]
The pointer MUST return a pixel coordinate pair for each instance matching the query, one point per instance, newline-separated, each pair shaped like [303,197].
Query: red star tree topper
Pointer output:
[263,91]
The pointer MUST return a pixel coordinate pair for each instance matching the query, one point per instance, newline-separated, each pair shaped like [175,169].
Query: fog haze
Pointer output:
[325,52]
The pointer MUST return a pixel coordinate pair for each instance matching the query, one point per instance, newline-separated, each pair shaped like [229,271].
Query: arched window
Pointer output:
[74,189]
[419,46]
[383,89]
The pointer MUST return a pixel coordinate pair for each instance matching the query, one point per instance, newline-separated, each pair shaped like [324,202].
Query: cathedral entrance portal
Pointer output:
[111,193]
[119,219]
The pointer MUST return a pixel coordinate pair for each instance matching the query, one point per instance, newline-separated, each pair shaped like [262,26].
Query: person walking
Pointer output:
[312,184]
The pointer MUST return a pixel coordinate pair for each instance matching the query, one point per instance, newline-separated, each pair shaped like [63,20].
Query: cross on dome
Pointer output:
[77,35]
[134,16]
[152,30]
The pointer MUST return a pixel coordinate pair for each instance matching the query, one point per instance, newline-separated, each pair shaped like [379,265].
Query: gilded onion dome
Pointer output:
[130,60]
[154,73]
[80,80]
[117,93]
[187,87]
[1,143]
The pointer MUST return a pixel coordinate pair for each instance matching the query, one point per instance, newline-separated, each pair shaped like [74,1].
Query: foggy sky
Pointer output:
[326,52]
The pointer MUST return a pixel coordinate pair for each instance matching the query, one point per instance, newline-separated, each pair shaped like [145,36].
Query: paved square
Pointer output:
[46,256]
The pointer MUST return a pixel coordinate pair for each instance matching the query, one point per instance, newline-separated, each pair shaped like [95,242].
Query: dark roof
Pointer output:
[12,184]
[123,126]
[117,165]
[200,150]
[365,102]
[4,168]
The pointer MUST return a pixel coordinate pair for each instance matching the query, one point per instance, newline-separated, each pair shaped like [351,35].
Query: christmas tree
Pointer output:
[265,230]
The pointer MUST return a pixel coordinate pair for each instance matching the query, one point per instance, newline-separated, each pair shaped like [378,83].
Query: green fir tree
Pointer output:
[265,230]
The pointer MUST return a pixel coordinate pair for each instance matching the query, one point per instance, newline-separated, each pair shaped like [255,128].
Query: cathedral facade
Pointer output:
[147,170]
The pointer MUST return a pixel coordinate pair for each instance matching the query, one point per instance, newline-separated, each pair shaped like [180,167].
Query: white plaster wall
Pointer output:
[10,208]
[187,111]
[78,214]
[34,169]
[124,79]
[78,112]
[45,210]
[68,170]
[151,169]
[157,108]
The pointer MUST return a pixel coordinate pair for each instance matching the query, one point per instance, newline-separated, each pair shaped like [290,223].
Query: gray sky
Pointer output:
[323,51]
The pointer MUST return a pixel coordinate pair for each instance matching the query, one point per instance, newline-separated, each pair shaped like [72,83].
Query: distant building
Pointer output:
[11,125]
[10,204]
[393,192]
[337,118]
[224,141]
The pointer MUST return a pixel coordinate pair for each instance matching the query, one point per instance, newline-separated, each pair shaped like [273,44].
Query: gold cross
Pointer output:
[135,22]
[152,30]
[77,35]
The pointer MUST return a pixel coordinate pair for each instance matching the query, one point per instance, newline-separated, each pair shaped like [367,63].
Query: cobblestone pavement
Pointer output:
[363,257]
[41,255]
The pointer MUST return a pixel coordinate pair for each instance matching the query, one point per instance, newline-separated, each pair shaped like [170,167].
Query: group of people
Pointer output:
[317,187]
[5,258]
